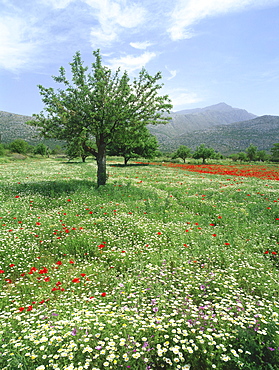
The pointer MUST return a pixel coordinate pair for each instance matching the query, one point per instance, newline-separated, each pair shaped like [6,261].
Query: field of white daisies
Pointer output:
[159,269]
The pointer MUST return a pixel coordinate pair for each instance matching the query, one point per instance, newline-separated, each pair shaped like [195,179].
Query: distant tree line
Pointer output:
[21,146]
[132,144]
[251,154]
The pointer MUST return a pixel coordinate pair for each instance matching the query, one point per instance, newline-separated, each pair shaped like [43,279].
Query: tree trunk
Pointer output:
[102,165]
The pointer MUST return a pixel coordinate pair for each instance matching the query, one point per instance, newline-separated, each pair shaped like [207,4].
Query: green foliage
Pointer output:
[75,149]
[19,146]
[99,104]
[134,143]
[242,156]
[182,152]
[203,152]
[275,152]
[262,155]
[2,150]
[40,149]
[57,150]
[251,152]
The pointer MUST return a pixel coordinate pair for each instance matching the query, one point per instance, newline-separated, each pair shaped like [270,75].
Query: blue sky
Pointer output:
[208,51]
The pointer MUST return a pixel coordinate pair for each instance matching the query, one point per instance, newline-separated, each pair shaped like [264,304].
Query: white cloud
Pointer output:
[189,12]
[141,45]
[113,17]
[57,4]
[181,97]
[173,73]
[17,45]
[131,63]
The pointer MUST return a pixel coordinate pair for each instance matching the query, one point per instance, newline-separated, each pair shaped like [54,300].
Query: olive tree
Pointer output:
[182,152]
[204,152]
[98,104]
[134,144]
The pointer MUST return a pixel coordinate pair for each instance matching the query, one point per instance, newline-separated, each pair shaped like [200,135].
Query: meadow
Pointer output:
[162,268]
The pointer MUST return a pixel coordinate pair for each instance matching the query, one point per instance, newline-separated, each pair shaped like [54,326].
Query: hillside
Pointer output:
[226,129]
[262,132]
[190,120]
[13,126]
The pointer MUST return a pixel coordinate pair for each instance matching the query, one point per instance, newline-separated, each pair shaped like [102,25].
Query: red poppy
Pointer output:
[266,252]
[76,280]
[159,233]
[58,283]
[58,263]
[82,275]
[12,265]
[47,278]
[214,235]
[68,200]
[103,294]
[30,308]
[273,253]
[2,271]
[21,309]
[71,262]
[44,270]
[101,246]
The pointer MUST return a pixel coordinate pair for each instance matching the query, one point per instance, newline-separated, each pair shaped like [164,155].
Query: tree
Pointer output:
[100,104]
[242,156]
[251,152]
[75,149]
[203,152]
[40,149]
[182,152]
[262,155]
[275,152]
[19,146]
[132,143]
[2,150]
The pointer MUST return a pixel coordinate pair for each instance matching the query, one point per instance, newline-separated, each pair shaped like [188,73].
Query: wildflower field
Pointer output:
[162,268]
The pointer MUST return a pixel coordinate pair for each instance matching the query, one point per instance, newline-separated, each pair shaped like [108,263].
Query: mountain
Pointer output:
[185,121]
[226,129]
[262,132]
[13,126]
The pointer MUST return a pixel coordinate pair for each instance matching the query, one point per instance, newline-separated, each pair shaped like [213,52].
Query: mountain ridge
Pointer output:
[220,126]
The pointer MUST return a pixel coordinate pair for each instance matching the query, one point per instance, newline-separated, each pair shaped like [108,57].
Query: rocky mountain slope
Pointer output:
[262,132]
[190,120]
[226,129]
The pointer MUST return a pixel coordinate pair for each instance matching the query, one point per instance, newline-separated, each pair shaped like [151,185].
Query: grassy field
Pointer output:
[162,268]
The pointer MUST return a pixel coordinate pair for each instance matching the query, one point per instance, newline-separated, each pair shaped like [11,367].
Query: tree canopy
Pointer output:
[204,152]
[182,152]
[99,104]
[133,144]
[275,152]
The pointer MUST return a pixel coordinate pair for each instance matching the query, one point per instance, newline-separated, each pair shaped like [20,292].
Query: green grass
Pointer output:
[159,269]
